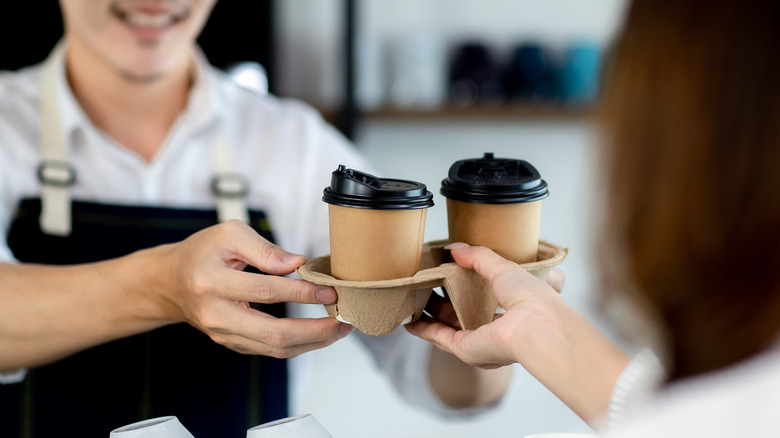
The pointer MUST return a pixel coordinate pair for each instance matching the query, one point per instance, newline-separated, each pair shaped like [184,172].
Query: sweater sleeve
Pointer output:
[636,383]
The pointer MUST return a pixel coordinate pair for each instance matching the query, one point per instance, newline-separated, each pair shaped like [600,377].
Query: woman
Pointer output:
[691,124]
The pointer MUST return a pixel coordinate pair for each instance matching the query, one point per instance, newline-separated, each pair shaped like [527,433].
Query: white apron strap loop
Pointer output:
[229,187]
[56,173]
[55,181]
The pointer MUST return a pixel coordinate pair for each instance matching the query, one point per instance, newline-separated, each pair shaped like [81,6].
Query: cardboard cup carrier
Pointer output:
[382,271]
[377,228]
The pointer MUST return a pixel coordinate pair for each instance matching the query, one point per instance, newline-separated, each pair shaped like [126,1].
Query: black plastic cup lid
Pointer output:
[352,188]
[490,180]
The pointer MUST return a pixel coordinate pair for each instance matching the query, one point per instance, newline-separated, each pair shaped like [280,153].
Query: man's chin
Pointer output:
[142,77]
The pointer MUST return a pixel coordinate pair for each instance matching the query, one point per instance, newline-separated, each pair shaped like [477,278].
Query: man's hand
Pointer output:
[211,292]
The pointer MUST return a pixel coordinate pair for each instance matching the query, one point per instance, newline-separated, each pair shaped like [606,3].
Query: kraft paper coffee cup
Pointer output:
[377,225]
[497,203]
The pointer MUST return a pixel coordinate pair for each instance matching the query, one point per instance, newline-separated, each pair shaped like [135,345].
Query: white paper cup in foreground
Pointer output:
[162,427]
[562,435]
[301,426]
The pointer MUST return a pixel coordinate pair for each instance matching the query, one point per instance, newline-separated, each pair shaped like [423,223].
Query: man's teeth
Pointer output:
[140,19]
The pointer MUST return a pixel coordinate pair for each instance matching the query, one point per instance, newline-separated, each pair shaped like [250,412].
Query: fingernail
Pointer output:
[457,245]
[345,329]
[326,296]
[292,259]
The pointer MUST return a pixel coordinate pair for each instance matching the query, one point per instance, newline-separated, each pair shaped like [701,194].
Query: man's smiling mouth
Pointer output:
[155,15]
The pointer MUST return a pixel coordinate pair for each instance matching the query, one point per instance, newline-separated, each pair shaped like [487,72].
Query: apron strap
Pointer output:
[54,174]
[229,187]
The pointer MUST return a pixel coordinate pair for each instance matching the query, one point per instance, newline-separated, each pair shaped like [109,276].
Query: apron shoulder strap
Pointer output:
[54,174]
[230,188]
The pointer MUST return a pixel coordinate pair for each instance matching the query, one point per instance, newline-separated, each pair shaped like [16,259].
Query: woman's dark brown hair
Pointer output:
[691,117]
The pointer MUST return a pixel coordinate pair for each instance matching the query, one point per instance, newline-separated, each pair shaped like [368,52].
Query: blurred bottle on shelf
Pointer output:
[474,76]
[413,70]
[581,73]
[530,75]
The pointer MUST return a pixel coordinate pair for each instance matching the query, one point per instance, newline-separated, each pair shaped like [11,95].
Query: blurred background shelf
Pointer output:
[480,113]
[484,113]
[425,74]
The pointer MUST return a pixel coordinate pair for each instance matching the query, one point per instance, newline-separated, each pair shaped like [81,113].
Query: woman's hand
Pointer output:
[528,302]
[539,330]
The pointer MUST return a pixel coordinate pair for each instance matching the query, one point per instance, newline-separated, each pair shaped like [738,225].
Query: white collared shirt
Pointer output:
[283,147]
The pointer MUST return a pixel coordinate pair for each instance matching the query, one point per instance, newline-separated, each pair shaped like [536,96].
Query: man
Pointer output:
[125,139]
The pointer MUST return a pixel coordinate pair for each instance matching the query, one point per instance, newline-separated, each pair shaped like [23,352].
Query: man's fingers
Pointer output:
[244,345]
[442,310]
[286,332]
[251,331]
[259,252]
[556,278]
[258,288]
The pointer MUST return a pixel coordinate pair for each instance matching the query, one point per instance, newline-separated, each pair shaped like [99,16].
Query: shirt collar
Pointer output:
[72,116]
[204,103]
